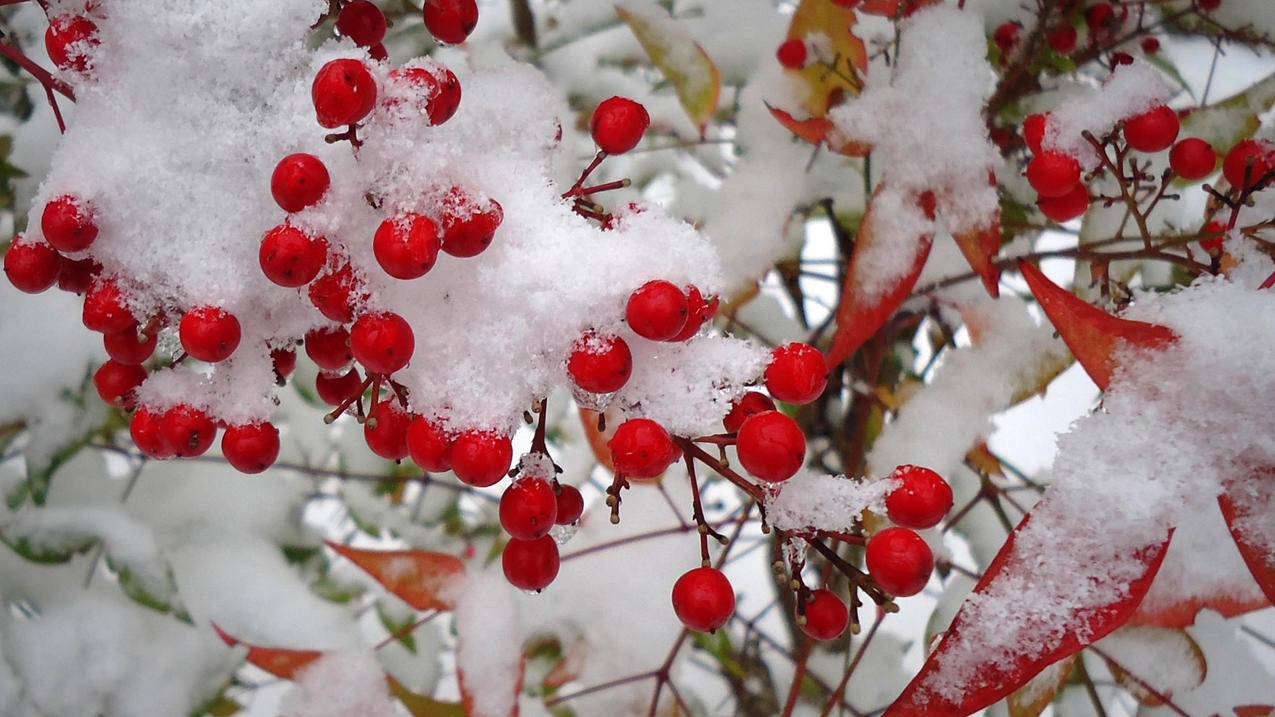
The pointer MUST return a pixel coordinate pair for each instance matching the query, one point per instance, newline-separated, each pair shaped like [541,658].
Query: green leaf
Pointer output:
[43,553]
[1224,123]
[676,53]
[401,629]
[422,706]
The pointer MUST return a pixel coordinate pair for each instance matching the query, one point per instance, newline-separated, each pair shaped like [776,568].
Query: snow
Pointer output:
[820,502]
[489,655]
[340,684]
[1130,90]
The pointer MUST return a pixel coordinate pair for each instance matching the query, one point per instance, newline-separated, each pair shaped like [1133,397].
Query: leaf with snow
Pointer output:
[816,130]
[831,27]
[1154,662]
[979,246]
[423,579]
[683,61]
[1248,506]
[1226,122]
[1032,698]
[278,661]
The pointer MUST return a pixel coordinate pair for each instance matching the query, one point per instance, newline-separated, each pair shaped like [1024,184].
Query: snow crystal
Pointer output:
[340,684]
[821,502]
[1130,90]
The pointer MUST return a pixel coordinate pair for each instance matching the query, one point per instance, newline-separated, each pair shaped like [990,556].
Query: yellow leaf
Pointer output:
[684,63]
[828,85]
[1032,698]
[422,706]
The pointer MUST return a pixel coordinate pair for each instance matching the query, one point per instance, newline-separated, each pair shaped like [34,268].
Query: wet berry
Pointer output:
[290,257]
[337,387]
[826,615]
[407,246]
[429,444]
[115,382]
[187,431]
[528,508]
[209,333]
[530,564]
[600,364]
[1053,174]
[363,22]
[469,224]
[251,447]
[797,373]
[383,343]
[641,448]
[125,347]
[900,561]
[1067,207]
[481,458]
[703,599]
[618,124]
[658,310]
[31,267]
[1153,130]
[771,446]
[329,348]
[1193,158]
[344,92]
[299,181]
[67,224]
[921,501]
[570,505]
[745,406]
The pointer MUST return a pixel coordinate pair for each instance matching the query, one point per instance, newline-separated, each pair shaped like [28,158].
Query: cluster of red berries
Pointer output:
[529,508]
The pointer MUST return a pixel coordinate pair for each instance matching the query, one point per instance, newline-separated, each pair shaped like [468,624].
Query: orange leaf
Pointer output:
[1255,711]
[1032,698]
[997,681]
[893,8]
[420,577]
[1091,333]
[861,313]
[819,129]
[278,661]
[837,23]
[979,247]
[1241,499]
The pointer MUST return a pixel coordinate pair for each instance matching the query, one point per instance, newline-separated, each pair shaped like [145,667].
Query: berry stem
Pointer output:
[597,159]
[698,512]
[720,468]
[50,83]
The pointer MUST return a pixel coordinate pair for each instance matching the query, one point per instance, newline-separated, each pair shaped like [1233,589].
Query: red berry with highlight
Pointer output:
[31,267]
[115,382]
[922,499]
[383,343]
[618,124]
[1256,157]
[344,92]
[570,505]
[334,294]
[70,40]
[329,348]
[209,333]
[1067,207]
[600,364]
[406,247]
[797,373]
[450,21]
[363,22]
[531,564]
[481,458]
[703,599]
[299,181]
[336,387]
[385,430]
[826,615]
[745,406]
[1193,158]
[469,225]
[187,431]
[900,561]
[792,54]
[698,311]
[290,257]
[251,447]
[1153,130]
[641,448]
[1053,174]
[658,310]
[771,446]
[125,347]
[528,508]
[434,91]
[146,429]
[105,310]
[430,445]
[1006,36]
[67,224]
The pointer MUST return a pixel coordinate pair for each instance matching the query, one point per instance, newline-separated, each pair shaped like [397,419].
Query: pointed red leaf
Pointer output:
[1182,614]
[423,579]
[818,129]
[997,680]
[861,312]
[1248,504]
[1091,333]
[278,661]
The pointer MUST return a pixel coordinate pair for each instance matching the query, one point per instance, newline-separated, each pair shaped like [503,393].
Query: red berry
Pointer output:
[797,373]
[285,362]
[826,615]
[251,447]
[125,347]
[900,561]
[378,52]
[703,599]
[299,180]
[187,431]
[530,564]
[600,364]
[641,448]
[70,40]
[329,348]
[105,310]
[430,445]
[1214,243]
[698,310]
[1006,36]
[434,91]
[1063,40]
[1193,158]
[1053,174]
[290,257]
[745,406]
[31,266]
[450,21]
[76,275]
[386,430]
[658,310]
[209,333]
[921,501]
[570,505]
[481,458]
[618,124]
[115,382]
[146,428]
[1098,15]
[1153,130]
[1254,158]
[1034,131]
[344,92]
[1121,58]
[407,246]
[468,224]
[363,22]
[383,343]
[1150,45]
[335,388]
[335,293]
[67,224]
[528,508]
[1209,5]
[771,446]
[1067,207]
[792,54]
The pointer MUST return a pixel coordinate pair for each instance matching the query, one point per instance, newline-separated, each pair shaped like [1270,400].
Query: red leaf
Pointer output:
[862,313]
[1091,333]
[997,681]
[1241,499]
[818,129]
[1182,614]
[893,8]
[980,247]
[420,577]
[1255,711]
[278,661]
